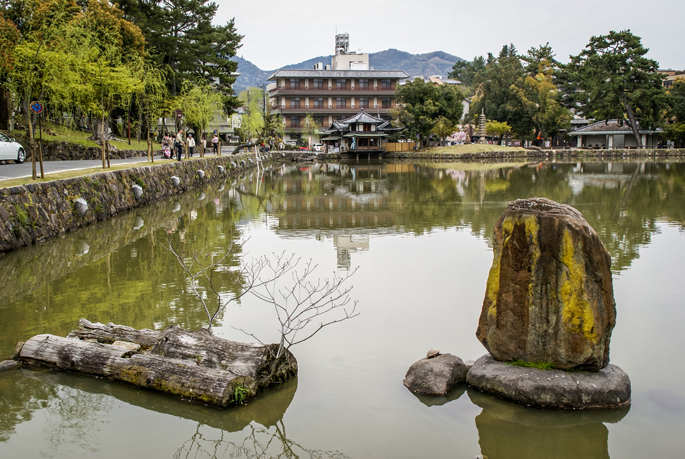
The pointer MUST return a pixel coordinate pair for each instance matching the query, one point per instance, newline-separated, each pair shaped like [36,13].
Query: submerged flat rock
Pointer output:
[558,389]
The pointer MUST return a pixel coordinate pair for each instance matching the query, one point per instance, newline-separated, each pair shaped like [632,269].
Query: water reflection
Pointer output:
[621,200]
[112,271]
[75,406]
[507,430]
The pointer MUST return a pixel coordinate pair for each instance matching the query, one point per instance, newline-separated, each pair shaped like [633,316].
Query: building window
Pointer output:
[386,84]
[294,83]
[318,120]
[318,83]
[385,102]
[363,83]
[318,102]
[341,84]
[294,102]
[294,121]
[363,102]
[340,102]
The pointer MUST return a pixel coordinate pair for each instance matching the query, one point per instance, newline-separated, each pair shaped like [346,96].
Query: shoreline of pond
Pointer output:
[33,213]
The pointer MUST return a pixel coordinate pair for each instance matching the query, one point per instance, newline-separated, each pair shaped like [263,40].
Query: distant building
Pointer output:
[333,92]
[612,134]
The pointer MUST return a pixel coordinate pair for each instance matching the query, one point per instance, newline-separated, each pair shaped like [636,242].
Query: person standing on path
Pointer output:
[179,144]
[191,144]
[215,144]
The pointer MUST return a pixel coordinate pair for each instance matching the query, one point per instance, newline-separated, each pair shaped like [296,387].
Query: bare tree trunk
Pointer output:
[631,119]
[140,124]
[5,109]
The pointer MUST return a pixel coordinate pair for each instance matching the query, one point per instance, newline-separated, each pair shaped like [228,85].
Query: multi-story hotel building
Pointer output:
[333,92]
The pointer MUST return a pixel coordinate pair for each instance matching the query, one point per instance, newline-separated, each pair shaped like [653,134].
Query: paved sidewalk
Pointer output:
[15,171]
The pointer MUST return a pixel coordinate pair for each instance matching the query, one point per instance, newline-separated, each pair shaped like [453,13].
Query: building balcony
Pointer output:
[330,111]
[302,92]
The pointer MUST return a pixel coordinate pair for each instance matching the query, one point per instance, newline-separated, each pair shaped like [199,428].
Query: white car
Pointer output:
[11,150]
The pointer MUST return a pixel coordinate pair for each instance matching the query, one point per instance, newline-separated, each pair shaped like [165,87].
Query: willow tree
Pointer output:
[201,103]
[38,57]
[310,128]
[252,123]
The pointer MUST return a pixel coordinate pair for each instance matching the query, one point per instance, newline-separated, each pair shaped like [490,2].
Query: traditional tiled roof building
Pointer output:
[613,134]
[359,133]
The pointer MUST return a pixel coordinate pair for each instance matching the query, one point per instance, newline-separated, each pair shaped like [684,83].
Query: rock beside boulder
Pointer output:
[558,389]
[549,295]
[435,375]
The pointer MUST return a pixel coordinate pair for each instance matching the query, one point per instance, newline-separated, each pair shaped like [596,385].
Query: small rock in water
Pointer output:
[436,375]
[433,353]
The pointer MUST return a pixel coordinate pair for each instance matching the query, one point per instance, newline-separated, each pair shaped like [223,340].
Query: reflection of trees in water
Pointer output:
[70,414]
[125,278]
[19,399]
[622,201]
[263,442]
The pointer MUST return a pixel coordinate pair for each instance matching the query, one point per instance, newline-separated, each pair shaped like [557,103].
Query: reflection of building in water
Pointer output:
[347,244]
[609,175]
[340,196]
[344,202]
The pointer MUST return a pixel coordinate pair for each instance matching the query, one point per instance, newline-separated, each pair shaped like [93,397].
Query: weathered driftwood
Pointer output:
[191,364]
[110,333]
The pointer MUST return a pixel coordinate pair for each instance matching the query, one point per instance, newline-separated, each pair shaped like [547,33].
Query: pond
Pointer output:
[419,235]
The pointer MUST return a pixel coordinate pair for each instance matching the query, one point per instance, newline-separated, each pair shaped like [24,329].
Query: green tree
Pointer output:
[422,105]
[539,97]
[310,128]
[188,44]
[444,128]
[497,128]
[675,126]
[495,93]
[200,104]
[612,79]
[252,123]
[466,71]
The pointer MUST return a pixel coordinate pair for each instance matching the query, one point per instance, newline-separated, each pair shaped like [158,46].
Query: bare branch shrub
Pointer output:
[303,304]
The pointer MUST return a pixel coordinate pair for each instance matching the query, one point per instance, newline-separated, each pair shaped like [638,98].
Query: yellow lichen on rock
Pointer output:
[577,312]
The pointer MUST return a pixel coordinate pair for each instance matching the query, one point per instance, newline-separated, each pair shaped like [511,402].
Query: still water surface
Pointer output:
[420,234]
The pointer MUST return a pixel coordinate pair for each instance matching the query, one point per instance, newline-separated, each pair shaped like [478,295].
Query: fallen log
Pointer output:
[194,365]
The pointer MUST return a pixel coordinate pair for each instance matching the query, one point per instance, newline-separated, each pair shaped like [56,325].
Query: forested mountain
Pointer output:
[435,63]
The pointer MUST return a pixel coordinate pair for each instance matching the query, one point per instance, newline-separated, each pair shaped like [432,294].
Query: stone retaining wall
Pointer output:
[33,213]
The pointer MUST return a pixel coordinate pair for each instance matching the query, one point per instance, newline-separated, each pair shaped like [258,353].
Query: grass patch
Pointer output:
[78,137]
[471,148]
[538,365]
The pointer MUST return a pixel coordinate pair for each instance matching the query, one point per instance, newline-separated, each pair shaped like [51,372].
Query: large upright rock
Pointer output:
[549,295]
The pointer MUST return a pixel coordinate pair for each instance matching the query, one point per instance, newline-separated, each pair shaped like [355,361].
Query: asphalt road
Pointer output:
[15,171]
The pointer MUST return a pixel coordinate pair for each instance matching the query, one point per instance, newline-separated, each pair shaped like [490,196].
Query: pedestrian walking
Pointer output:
[179,143]
[191,144]
[215,144]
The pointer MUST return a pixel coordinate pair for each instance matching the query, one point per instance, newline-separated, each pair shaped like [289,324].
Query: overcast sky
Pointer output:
[278,33]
